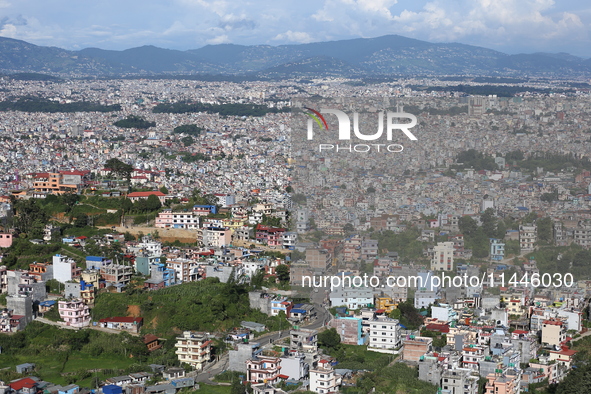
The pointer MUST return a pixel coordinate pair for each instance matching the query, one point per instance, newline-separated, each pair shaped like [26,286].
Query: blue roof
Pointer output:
[47,303]
[94,258]
[298,311]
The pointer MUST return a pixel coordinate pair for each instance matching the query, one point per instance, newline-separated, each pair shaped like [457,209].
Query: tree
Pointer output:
[153,203]
[467,225]
[31,219]
[545,229]
[119,168]
[329,338]
[282,272]
[163,189]
[187,141]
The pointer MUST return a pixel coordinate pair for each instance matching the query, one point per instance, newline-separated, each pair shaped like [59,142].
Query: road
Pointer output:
[97,328]
[219,366]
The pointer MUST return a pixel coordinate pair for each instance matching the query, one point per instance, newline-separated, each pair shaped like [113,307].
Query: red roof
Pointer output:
[520,332]
[122,319]
[146,194]
[23,383]
[150,338]
[443,328]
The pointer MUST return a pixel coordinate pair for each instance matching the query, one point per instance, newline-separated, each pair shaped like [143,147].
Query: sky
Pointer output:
[510,26]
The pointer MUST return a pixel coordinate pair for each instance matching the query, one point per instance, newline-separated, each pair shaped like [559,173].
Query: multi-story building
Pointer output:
[459,381]
[501,384]
[117,275]
[161,277]
[272,236]
[65,269]
[472,355]
[369,249]
[185,269]
[41,271]
[415,347]
[553,332]
[216,237]
[528,237]
[183,220]
[443,256]
[351,297]
[289,239]
[582,235]
[384,335]
[74,312]
[318,259]
[497,249]
[323,378]
[194,349]
[304,340]
[260,369]
[350,329]
[53,183]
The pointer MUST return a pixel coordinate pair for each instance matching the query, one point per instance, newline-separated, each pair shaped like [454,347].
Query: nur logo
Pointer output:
[344,131]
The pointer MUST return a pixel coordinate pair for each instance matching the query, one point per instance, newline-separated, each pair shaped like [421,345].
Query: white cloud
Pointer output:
[222,39]
[294,36]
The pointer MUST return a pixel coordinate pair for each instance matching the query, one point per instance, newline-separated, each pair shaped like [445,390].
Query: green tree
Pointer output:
[119,168]
[545,229]
[467,225]
[187,141]
[329,338]
[282,272]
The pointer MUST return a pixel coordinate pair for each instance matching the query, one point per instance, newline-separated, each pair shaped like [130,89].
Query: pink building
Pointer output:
[74,312]
[501,384]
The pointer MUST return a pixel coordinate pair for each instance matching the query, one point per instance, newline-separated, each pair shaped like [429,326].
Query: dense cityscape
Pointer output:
[165,235]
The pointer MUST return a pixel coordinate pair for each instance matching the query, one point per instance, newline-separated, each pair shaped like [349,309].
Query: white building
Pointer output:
[323,379]
[443,257]
[352,297]
[62,268]
[384,335]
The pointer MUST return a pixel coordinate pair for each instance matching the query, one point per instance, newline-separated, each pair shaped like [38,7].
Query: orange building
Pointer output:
[52,182]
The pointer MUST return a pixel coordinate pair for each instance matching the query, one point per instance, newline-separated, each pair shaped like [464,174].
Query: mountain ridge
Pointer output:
[383,56]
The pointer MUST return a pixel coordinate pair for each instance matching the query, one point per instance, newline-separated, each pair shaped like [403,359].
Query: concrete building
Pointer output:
[350,329]
[294,365]
[193,349]
[64,268]
[497,250]
[459,381]
[241,353]
[304,340]
[415,347]
[553,332]
[117,275]
[351,297]
[443,257]
[528,236]
[74,312]
[323,378]
[318,259]
[384,335]
[501,384]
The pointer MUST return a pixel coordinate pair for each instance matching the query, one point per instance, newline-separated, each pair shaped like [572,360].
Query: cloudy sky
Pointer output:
[511,26]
